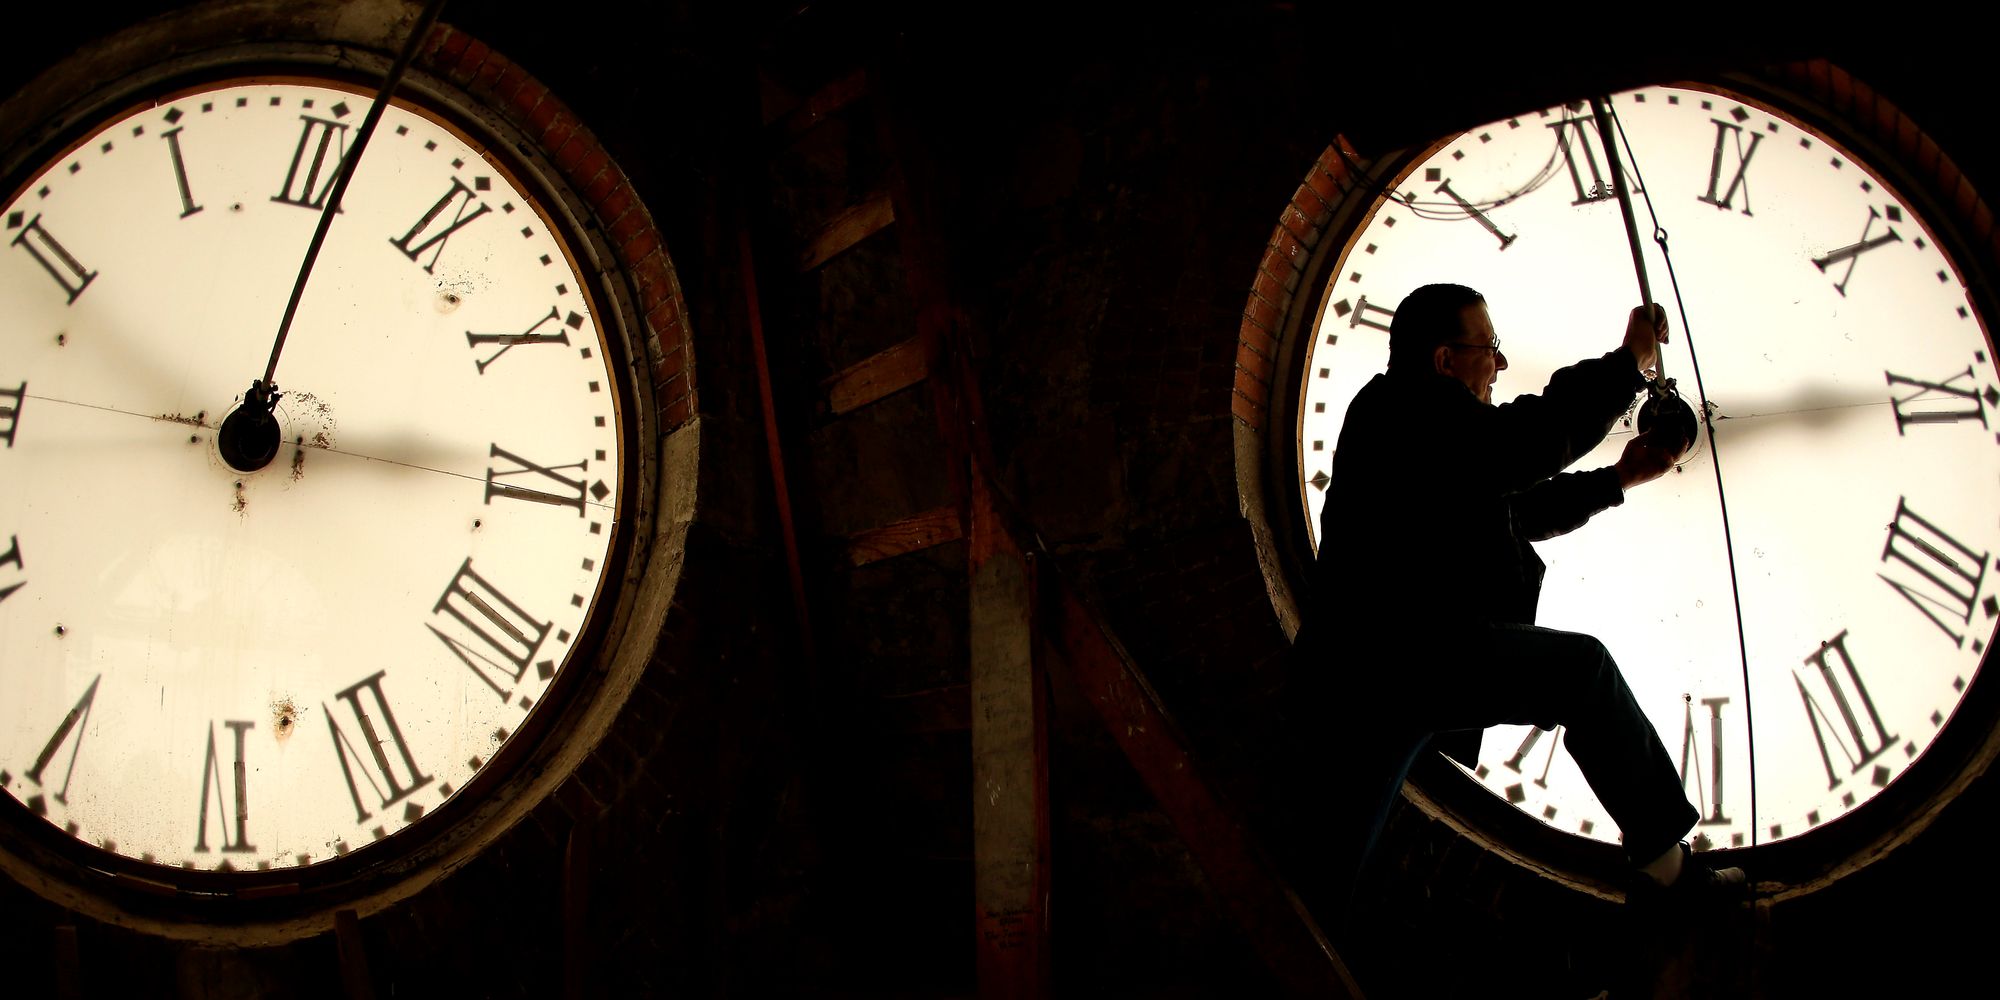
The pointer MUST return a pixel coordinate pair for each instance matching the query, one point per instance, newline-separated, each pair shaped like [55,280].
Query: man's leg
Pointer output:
[1521,674]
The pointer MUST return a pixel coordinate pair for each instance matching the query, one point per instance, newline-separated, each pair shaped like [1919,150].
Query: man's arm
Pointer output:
[1536,436]
[1561,504]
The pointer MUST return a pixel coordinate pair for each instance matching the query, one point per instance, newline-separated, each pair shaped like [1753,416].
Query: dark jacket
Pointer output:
[1435,497]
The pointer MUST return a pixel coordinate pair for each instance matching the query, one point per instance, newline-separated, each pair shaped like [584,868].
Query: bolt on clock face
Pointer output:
[219,669]
[1846,504]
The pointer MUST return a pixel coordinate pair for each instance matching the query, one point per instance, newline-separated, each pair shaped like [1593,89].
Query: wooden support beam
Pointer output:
[848,228]
[825,101]
[353,956]
[945,709]
[872,378]
[576,913]
[918,531]
[1271,916]
[1010,804]
[69,963]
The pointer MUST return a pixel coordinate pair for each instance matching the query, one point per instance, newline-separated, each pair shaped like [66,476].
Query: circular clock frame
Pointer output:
[1868,129]
[251,38]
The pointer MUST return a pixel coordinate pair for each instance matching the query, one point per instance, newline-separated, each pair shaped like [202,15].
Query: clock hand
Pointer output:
[249,436]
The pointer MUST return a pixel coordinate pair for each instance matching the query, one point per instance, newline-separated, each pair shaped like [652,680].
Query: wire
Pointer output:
[1715,461]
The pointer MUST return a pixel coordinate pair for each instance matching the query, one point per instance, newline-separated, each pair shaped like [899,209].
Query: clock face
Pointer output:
[1800,606]
[224,670]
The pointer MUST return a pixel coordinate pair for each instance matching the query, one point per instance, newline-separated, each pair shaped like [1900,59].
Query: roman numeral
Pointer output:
[563,499]
[310,177]
[173,140]
[1691,763]
[1953,571]
[1852,252]
[399,778]
[427,227]
[1528,747]
[12,557]
[62,265]
[1505,239]
[77,721]
[494,637]
[211,776]
[1576,136]
[534,334]
[1969,407]
[1724,131]
[1842,686]
[10,410]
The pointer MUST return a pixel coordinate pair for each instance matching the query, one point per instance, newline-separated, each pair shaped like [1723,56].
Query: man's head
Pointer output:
[1446,329]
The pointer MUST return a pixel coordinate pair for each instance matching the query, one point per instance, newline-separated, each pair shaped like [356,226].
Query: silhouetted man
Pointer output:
[1420,620]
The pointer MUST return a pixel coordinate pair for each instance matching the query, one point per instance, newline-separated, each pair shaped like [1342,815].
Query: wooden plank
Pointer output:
[353,956]
[1273,919]
[828,99]
[872,378]
[1010,807]
[576,913]
[945,709]
[69,963]
[918,531]
[848,228]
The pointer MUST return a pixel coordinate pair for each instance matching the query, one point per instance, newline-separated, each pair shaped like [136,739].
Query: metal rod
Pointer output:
[344,172]
[1600,108]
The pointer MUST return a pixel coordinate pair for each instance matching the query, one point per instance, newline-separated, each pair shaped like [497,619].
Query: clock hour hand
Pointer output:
[254,422]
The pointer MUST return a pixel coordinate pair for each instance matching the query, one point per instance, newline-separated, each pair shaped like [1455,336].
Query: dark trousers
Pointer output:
[1376,705]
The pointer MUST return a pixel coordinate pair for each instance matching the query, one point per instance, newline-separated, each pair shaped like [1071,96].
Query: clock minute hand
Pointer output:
[248,439]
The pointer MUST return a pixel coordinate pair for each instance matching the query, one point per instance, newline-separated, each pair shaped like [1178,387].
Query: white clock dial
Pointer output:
[225,670]
[1851,385]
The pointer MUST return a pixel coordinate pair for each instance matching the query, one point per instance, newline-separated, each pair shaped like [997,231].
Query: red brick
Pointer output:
[509,84]
[560,129]
[1262,313]
[1256,364]
[1258,340]
[594,162]
[1285,245]
[580,145]
[529,100]
[1246,411]
[1298,225]
[644,242]
[1251,386]
[1269,288]
[652,286]
[489,74]
[675,414]
[628,225]
[449,44]
[664,321]
[1281,269]
[670,366]
[606,181]
[544,113]
[1323,185]
[1311,206]
[672,387]
[611,208]
[468,63]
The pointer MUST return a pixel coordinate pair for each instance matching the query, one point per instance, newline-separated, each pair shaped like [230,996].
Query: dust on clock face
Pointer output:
[1851,388]
[215,669]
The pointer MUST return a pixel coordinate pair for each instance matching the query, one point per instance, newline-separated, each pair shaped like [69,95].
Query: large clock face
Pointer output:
[1801,605]
[215,669]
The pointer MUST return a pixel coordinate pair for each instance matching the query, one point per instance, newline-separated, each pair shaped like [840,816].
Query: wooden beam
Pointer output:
[825,101]
[353,956]
[872,378]
[848,228]
[1273,919]
[945,709]
[576,913]
[918,531]
[69,963]
[1010,805]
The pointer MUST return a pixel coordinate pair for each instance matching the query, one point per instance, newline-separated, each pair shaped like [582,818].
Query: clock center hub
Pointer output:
[249,436]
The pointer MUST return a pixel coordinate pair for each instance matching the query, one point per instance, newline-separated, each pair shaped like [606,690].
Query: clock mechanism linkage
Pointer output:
[1665,415]
[249,436]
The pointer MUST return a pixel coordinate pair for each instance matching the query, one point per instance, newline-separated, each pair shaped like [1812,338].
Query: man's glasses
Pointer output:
[1494,346]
